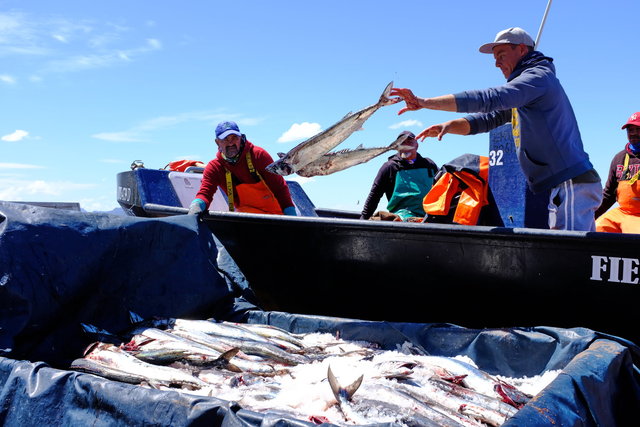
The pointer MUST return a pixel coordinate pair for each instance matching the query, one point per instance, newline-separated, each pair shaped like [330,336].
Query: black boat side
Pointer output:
[476,277]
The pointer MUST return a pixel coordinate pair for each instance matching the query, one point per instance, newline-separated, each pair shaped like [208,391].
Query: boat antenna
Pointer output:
[544,19]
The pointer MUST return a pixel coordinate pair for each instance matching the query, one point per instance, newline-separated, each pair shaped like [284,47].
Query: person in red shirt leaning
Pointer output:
[239,169]
[623,186]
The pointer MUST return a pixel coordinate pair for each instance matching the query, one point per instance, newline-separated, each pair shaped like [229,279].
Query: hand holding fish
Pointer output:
[413,102]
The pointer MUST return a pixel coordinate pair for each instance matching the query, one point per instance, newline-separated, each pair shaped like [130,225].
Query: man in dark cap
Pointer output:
[239,169]
[545,130]
[623,186]
[405,179]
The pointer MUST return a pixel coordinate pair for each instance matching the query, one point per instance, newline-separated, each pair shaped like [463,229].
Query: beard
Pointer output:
[231,151]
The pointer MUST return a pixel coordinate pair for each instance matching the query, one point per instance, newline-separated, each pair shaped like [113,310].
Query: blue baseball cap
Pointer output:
[225,129]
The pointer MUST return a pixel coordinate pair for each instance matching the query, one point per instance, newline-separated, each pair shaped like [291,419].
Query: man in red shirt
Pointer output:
[623,186]
[239,170]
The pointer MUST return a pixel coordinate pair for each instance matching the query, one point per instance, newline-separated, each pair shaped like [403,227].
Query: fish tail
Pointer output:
[386,92]
[398,142]
[339,392]
[385,97]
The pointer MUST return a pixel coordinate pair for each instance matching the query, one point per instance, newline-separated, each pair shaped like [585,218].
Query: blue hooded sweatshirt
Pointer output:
[545,130]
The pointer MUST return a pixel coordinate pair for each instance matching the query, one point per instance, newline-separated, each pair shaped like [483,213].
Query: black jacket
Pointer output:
[386,180]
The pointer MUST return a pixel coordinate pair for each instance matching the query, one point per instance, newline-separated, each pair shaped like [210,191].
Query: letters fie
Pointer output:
[614,269]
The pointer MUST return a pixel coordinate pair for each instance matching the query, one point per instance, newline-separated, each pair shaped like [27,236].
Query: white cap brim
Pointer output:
[488,48]
[226,133]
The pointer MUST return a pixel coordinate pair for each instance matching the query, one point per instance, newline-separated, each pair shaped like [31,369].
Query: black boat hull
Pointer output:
[476,277]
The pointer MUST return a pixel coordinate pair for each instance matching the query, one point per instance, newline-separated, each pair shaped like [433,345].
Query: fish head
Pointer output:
[280,167]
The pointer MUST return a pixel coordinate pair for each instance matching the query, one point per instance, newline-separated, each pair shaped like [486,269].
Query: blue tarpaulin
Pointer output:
[60,269]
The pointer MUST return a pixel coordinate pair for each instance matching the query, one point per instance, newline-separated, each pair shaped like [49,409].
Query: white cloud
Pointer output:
[247,121]
[300,131]
[126,136]
[102,59]
[406,124]
[17,190]
[101,204]
[7,79]
[154,44]
[68,46]
[61,38]
[18,166]
[18,135]
[138,132]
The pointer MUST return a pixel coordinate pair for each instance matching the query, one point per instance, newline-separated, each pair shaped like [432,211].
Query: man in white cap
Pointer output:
[545,130]
[405,179]
[623,186]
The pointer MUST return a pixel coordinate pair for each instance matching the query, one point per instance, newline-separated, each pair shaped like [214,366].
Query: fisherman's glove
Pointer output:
[197,206]
[291,211]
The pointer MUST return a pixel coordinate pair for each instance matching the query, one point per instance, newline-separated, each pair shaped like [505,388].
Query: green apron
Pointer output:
[411,187]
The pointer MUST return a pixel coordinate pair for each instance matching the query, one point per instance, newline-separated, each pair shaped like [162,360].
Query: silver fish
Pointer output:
[480,381]
[314,147]
[223,343]
[439,393]
[219,329]
[92,367]
[271,332]
[334,162]
[119,360]
[199,354]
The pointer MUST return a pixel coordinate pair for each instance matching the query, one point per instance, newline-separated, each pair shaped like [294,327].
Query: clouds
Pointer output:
[124,136]
[141,131]
[58,45]
[18,135]
[300,131]
[16,189]
[18,166]
[406,123]
[5,78]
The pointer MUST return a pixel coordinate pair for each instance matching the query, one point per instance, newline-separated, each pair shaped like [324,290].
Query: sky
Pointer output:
[87,87]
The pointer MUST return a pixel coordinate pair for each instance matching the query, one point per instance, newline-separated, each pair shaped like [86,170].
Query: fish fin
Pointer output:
[359,147]
[511,395]
[340,392]
[333,383]
[90,348]
[233,368]
[229,354]
[354,386]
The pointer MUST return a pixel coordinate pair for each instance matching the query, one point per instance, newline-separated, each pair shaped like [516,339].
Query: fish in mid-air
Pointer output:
[339,160]
[325,141]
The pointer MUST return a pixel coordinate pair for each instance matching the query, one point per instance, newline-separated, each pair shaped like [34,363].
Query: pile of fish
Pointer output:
[315,377]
